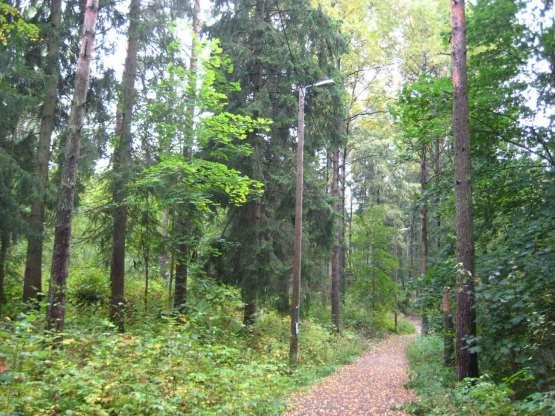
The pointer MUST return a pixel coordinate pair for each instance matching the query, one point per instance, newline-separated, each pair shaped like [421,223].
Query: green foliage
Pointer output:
[195,185]
[372,262]
[203,364]
[89,287]
[439,394]
[13,26]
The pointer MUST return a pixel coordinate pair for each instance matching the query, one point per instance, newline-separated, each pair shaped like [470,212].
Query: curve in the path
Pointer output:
[373,385]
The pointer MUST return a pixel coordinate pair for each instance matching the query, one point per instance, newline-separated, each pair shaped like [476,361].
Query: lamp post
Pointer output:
[297,243]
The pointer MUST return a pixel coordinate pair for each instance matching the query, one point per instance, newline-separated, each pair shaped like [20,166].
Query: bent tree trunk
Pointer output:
[66,192]
[467,361]
[32,283]
[122,168]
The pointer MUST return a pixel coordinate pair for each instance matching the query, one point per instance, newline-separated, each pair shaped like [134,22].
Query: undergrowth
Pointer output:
[440,394]
[204,362]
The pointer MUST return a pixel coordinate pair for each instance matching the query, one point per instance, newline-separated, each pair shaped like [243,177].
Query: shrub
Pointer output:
[88,287]
[439,394]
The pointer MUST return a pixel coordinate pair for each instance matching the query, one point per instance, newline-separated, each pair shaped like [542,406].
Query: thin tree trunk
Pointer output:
[4,243]
[336,252]
[467,361]
[193,68]
[32,283]
[448,345]
[182,255]
[146,260]
[66,192]
[437,174]
[424,227]
[122,169]
[249,284]
[164,258]
[170,281]
[342,248]
[181,275]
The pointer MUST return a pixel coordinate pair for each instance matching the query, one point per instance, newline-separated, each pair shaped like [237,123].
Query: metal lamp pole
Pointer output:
[297,244]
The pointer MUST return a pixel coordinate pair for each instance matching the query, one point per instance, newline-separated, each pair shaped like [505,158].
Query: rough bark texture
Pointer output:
[424,226]
[164,258]
[297,244]
[182,252]
[342,231]
[250,279]
[181,275]
[437,174]
[122,169]
[336,249]
[66,192]
[32,283]
[4,243]
[193,68]
[448,330]
[467,362]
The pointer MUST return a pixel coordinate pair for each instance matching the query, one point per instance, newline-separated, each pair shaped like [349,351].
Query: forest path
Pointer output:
[373,385]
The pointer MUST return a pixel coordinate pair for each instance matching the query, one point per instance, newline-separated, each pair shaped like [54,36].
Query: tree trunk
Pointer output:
[336,251]
[467,362]
[424,227]
[249,283]
[4,243]
[146,258]
[342,248]
[122,169]
[32,283]
[193,68]
[437,174]
[448,352]
[66,192]
[181,275]
[182,254]
[164,258]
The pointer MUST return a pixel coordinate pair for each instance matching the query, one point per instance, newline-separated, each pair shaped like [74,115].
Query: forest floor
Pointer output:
[373,385]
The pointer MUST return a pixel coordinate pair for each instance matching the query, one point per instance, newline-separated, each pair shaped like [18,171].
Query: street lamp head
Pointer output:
[324,82]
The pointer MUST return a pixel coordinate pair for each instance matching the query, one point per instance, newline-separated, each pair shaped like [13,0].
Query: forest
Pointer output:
[277,207]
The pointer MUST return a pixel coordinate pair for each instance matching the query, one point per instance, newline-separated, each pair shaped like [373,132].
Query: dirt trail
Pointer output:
[373,385]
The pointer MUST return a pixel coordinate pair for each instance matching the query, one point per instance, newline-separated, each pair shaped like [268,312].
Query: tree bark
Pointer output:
[343,223]
[250,281]
[32,282]
[448,350]
[66,193]
[182,254]
[424,227]
[122,169]
[336,251]
[467,362]
[181,276]
[4,243]
[437,174]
